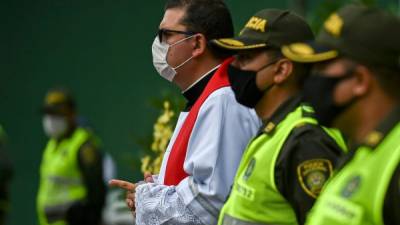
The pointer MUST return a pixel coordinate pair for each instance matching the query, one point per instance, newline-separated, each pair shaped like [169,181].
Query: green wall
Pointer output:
[101,50]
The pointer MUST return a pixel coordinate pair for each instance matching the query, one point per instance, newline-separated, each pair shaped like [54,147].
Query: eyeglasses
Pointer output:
[165,32]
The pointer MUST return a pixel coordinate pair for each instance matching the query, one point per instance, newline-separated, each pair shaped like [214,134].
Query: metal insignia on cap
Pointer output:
[334,25]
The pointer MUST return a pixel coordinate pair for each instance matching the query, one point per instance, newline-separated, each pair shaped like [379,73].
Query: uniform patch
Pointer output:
[351,186]
[249,169]
[312,175]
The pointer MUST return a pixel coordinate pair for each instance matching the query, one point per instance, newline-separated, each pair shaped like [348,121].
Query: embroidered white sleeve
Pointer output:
[159,204]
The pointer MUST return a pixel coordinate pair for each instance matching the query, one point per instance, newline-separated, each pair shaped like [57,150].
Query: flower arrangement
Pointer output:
[162,132]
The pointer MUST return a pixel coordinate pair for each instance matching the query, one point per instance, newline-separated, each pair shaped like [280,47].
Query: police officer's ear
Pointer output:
[199,44]
[364,80]
[283,69]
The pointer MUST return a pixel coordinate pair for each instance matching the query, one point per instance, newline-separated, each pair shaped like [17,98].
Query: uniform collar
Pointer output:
[280,114]
[375,137]
[193,92]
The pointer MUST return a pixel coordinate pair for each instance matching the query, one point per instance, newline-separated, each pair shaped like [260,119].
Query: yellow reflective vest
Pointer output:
[61,183]
[356,194]
[255,199]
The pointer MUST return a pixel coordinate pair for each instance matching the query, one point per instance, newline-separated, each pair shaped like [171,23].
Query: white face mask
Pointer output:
[160,52]
[54,126]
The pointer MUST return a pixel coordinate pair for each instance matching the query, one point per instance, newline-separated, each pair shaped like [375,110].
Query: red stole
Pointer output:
[174,172]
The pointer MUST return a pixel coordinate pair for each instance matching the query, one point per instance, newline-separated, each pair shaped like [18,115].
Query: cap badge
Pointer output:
[334,25]
[54,98]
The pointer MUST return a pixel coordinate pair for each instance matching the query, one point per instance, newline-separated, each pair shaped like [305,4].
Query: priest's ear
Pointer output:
[199,44]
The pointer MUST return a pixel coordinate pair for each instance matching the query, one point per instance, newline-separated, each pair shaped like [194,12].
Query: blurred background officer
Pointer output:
[71,189]
[6,173]
[284,168]
[356,88]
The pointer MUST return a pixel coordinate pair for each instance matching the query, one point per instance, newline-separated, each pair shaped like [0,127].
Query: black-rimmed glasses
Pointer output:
[165,32]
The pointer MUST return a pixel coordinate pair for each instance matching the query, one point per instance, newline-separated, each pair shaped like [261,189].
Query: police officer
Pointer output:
[71,189]
[354,87]
[285,166]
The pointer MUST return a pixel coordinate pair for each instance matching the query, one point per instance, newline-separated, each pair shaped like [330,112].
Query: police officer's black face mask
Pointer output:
[318,91]
[243,83]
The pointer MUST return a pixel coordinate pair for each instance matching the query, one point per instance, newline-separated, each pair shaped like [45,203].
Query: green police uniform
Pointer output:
[275,158]
[366,188]
[356,195]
